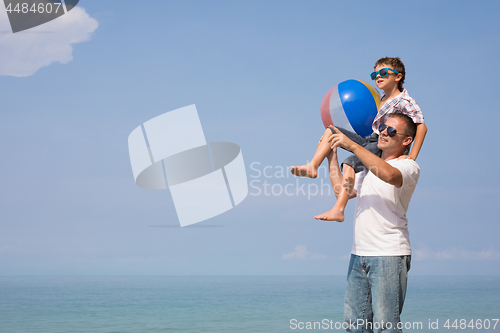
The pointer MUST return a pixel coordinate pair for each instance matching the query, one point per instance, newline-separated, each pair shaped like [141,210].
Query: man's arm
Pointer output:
[375,164]
[378,166]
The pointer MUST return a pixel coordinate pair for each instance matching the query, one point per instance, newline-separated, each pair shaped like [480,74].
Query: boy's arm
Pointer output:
[417,143]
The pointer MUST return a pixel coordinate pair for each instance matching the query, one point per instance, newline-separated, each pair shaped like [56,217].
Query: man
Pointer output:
[381,252]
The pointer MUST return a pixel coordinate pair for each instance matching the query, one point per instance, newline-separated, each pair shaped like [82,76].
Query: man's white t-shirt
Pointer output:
[380,224]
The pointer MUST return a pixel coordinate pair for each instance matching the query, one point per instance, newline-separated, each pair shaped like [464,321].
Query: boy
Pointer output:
[389,76]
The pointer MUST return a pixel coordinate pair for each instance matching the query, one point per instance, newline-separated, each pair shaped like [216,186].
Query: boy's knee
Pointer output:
[330,130]
[327,132]
[347,169]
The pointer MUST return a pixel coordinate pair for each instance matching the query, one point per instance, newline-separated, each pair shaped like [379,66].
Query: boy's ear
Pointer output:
[399,76]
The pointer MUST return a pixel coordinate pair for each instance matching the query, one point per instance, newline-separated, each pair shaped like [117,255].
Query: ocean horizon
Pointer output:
[52,304]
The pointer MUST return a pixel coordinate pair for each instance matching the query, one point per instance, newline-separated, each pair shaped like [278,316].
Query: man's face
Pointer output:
[385,142]
[388,81]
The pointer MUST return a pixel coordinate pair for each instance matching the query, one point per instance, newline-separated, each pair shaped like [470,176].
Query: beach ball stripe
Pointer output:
[375,94]
[325,108]
[331,108]
[351,104]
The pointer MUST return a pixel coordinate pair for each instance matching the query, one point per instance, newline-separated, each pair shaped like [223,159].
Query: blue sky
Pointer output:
[257,72]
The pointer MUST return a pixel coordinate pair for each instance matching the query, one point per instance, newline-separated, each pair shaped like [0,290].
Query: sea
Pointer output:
[232,304]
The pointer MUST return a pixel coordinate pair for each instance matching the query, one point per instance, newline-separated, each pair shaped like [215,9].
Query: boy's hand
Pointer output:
[340,140]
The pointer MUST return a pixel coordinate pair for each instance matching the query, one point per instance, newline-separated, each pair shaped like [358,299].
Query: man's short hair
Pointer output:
[397,65]
[411,127]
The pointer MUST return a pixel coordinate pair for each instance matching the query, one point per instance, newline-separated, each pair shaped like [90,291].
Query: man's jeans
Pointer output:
[376,289]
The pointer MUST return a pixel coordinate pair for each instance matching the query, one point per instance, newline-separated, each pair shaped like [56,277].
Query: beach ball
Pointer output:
[351,104]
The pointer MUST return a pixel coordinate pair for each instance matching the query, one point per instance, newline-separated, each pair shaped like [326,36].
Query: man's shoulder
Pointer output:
[409,169]
[405,163]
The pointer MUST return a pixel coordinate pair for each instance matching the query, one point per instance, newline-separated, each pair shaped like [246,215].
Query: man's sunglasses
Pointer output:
[391,131]
[383,73]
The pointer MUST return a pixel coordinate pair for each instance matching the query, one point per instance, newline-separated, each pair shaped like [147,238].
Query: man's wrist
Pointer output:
[354,147]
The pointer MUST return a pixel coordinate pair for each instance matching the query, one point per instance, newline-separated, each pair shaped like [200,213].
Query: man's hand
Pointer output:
[340,140]
[332,155]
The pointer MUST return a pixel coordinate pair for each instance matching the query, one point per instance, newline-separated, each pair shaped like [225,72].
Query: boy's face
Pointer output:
[389,81]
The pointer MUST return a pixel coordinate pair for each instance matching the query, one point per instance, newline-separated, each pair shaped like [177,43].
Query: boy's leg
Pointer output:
[311,169]
[350,167]
[337,212]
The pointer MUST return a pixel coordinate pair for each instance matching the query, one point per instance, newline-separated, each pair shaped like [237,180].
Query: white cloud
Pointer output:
[301,252]
[455,253]
[24,53]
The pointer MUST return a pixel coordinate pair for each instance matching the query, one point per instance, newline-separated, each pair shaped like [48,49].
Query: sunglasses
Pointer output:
[383,73]
[391,131]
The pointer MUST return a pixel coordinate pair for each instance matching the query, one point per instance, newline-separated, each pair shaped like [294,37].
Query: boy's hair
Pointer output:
[411,127]
[397,65]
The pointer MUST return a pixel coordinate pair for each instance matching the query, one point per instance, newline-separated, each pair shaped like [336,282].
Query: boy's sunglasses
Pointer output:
[383,73]
[391,131]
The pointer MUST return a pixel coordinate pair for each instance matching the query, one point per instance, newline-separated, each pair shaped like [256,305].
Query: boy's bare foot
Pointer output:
[305,171]
[331,215]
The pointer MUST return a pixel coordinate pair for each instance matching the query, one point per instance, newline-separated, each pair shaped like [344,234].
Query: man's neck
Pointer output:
[388,155]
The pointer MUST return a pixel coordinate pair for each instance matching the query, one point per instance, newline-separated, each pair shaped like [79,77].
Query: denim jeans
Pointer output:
[376,289]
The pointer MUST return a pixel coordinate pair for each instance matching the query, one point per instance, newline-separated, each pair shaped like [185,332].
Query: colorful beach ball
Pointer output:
[351,104]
